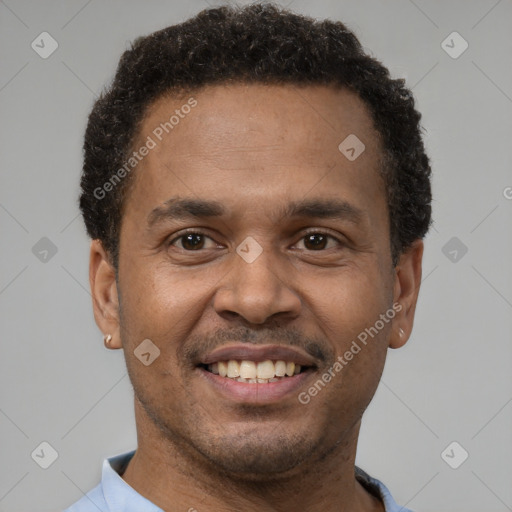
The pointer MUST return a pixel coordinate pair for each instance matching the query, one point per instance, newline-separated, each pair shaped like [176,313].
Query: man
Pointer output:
[257,191]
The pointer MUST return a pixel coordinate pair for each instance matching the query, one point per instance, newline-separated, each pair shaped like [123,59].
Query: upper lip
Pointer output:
[259,353]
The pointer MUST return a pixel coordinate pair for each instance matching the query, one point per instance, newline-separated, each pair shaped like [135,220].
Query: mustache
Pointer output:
[197,346]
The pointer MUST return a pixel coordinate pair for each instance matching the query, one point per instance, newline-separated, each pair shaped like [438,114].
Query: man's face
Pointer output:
[268,157]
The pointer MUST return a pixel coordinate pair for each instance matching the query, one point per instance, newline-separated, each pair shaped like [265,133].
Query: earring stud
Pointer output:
[401,332]
[107,339]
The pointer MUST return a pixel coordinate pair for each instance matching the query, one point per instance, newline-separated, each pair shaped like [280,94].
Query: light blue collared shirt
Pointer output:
[113,494]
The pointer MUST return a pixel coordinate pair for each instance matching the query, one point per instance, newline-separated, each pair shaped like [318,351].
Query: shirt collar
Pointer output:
[121,497]
[378,489]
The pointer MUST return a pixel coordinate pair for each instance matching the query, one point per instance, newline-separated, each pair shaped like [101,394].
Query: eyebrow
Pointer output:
[184,209]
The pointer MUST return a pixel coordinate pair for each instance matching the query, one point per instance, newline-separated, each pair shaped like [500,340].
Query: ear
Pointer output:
[105,302]
[406,290]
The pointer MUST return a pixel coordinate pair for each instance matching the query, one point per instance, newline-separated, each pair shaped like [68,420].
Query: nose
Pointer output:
[258,291]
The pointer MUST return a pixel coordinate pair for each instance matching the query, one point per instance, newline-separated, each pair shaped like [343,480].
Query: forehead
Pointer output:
[254,113]
[256,144]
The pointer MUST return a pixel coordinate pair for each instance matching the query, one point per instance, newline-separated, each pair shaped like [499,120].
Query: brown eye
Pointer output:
[315,241]
[191,241]
[319,241]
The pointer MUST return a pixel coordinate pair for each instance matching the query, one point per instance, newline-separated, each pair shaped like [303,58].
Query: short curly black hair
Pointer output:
[260,43]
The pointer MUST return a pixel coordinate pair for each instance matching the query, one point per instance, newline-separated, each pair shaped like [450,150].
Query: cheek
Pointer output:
[164,303]
[348,310]
[348,302]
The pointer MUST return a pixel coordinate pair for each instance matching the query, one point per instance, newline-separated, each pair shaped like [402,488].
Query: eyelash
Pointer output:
[201,233]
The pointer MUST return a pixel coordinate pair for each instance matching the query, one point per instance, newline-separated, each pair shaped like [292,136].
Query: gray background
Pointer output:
[452,381]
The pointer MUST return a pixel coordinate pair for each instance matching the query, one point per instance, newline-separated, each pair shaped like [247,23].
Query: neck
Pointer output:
[173,476]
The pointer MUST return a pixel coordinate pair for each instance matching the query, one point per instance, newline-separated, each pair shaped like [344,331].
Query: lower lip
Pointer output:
[256,392]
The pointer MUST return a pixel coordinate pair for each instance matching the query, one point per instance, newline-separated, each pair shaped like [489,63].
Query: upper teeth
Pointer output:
[262,371]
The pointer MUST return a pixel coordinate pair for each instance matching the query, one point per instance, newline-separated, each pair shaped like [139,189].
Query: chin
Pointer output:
[256,456]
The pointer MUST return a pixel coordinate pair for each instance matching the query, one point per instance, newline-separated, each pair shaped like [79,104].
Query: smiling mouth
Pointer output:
[252,372]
